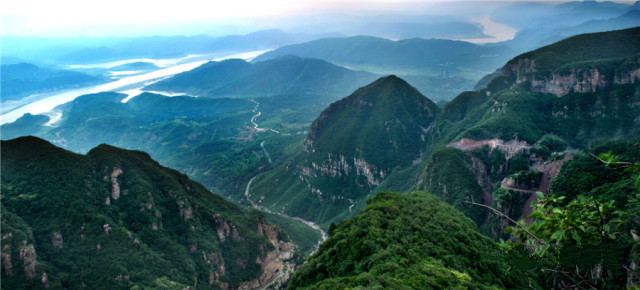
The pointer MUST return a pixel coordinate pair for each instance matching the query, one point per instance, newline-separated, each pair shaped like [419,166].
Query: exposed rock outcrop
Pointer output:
[6,260]
[588,79]
[577,80]
[185,211]
[56,240]
[115,187]
[274,263]
[29,259]
[340,165]
[509,148]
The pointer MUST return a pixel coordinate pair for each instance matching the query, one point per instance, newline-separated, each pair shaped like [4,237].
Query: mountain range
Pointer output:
[551,140]
[547,91]
[428,56]
[439,68]
[280,76]
[86,50]
[581,90]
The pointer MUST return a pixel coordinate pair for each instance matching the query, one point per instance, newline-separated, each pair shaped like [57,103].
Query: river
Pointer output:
[496,31]
[131,85]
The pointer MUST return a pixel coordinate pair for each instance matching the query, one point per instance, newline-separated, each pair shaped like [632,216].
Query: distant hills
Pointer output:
[439,68]
[134,66]
[541,24]
[408,56]
[351,148]
[399,27]
[23,79]
[539,14]
[85,50]
[117,219]
[535,37]
[279,76]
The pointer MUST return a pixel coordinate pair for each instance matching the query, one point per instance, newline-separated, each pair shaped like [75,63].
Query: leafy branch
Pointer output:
[502,215]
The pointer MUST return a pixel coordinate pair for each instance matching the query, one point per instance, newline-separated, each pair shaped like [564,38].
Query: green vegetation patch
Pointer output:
[413,241]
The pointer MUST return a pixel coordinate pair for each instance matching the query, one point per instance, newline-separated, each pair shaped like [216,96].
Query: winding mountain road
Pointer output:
[248,188]
[306,222]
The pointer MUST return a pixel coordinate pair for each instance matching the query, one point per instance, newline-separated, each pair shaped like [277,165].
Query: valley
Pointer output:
[247,191]
[128,85]
[308,223]
[502,154]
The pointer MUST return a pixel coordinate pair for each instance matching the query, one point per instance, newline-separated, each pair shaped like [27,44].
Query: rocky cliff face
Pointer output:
[341,166]
[582,64]
[352,147]
[19,259]
[579,80]
[275,263]
[630,74]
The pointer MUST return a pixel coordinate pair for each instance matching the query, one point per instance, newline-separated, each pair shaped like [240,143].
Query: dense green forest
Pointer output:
[116,219]
[587,226]
[413,241]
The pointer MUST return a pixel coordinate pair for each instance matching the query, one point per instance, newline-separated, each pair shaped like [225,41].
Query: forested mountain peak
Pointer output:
[387,99]
[351,148]
[91,221]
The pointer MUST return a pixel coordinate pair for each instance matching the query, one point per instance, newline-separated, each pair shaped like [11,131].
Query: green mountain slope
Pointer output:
[212,140]
[580,90]
[284,75]
[353,146]
[116,219]
[414,241]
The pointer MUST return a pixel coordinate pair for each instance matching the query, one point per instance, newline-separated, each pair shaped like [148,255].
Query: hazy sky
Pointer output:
[77,17]
[146,17]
